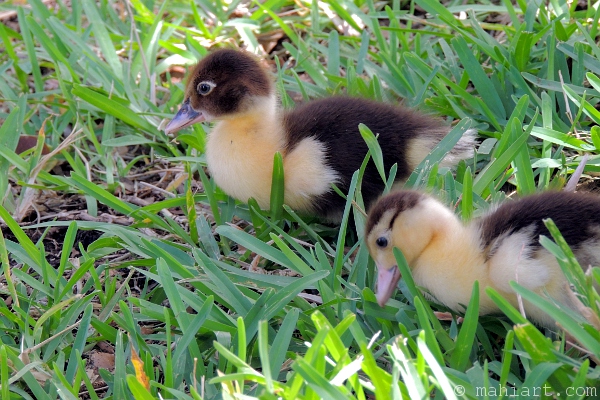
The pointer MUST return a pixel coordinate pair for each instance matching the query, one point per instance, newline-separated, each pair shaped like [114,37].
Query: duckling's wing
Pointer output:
[334,122]
[517,257]
[577,216]
[510,236]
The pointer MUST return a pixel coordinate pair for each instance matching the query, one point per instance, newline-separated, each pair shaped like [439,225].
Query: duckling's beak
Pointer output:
[186,116]
[387,279]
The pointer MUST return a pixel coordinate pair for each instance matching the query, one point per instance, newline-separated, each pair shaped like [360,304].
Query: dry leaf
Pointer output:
[138,365]
[102,360]
[27,142]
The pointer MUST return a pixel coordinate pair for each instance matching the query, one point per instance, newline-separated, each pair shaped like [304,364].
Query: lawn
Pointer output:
[128,274]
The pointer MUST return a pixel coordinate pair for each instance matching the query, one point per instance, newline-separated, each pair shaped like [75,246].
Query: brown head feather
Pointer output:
[237,77]
[398,201]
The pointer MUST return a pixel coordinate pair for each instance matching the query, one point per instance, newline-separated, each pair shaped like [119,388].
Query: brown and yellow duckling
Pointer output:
[446,256]
[319,141]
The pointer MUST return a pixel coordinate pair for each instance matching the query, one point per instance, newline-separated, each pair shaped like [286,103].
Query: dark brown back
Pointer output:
[577,216]
[334,121]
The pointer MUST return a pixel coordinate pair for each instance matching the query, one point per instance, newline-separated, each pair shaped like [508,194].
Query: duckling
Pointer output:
[446,256]
[319,141]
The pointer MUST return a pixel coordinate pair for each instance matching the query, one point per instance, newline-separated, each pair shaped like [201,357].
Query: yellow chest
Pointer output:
[449,267]
[240,158]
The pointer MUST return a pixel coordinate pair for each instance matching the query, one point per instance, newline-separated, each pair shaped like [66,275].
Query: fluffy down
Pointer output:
[446,256]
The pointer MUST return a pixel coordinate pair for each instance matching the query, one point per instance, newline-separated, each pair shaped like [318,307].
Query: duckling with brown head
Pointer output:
[319,141]
[446,256]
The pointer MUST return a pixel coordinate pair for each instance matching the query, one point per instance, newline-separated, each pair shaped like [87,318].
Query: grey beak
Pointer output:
[186,116]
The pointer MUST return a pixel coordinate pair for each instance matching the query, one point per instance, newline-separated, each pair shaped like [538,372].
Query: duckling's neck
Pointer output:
[241,147]
[256,124]
[451,263]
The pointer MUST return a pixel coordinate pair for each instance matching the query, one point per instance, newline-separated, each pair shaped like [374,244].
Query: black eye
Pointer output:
[381,242]
[204,88]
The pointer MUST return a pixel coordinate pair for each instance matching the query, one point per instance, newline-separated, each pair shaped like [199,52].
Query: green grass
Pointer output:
[180,278]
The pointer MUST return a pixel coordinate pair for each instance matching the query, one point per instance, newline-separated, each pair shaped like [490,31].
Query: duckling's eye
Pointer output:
[205,88]
[381,242]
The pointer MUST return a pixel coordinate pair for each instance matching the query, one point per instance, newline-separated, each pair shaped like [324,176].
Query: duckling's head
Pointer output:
[407,220]
[223,84]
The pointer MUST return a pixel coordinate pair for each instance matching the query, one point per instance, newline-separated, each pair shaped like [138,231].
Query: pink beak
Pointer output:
[387,279]
[186,116]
